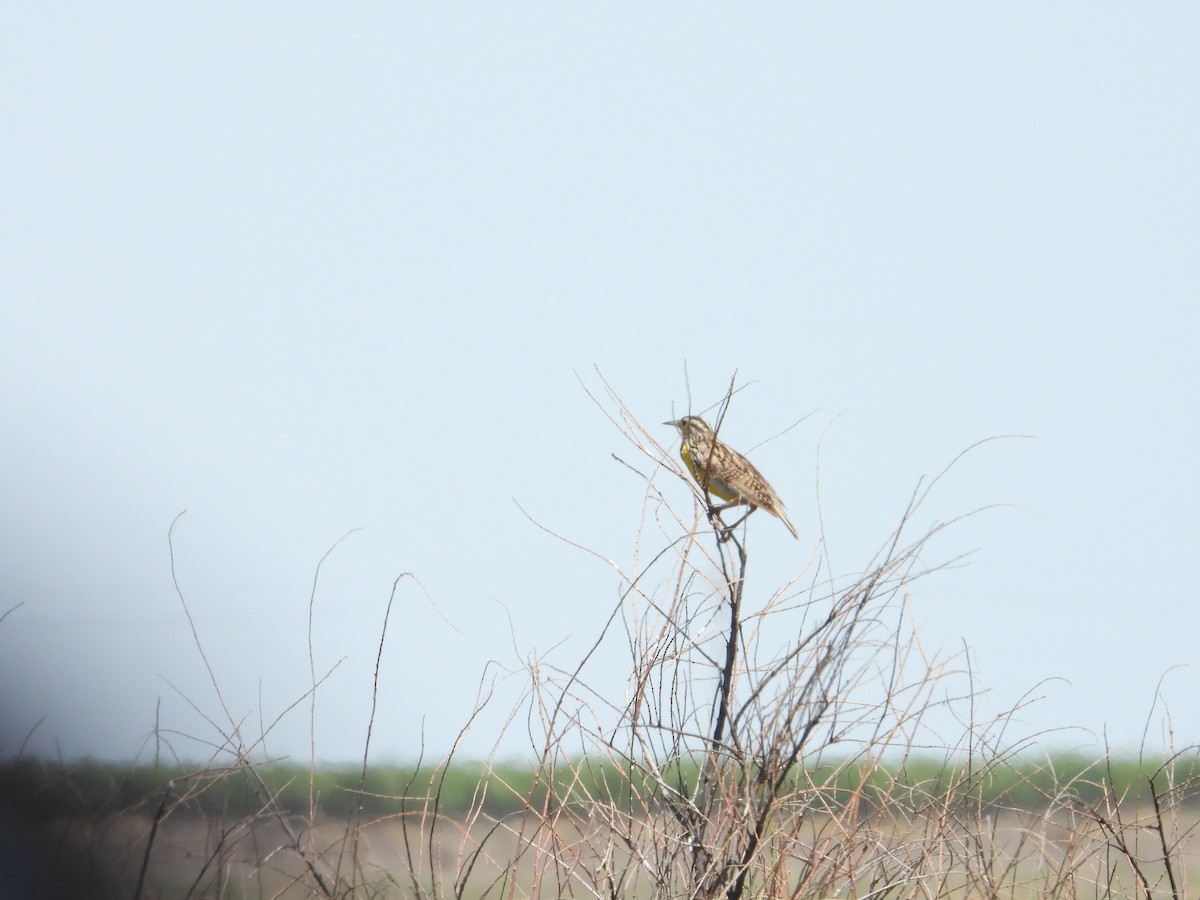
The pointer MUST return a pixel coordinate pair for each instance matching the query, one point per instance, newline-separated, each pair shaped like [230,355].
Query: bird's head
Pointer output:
[692,428]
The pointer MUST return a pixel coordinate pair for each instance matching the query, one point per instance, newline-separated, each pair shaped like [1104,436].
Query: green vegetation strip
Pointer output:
[43,790]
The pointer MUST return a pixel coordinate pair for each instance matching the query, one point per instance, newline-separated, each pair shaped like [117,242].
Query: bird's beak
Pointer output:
[675,423]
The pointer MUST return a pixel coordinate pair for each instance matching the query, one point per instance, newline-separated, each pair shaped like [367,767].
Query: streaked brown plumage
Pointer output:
[724,472]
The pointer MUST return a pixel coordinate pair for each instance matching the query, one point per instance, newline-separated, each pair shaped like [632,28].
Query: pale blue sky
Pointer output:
[300,269]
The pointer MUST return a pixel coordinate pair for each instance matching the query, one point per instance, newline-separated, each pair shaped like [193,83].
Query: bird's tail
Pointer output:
[788,522]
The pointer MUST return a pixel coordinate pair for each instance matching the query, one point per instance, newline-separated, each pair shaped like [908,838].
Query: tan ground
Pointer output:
[197,858]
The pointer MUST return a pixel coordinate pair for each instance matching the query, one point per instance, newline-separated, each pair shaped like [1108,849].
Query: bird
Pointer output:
[725,473]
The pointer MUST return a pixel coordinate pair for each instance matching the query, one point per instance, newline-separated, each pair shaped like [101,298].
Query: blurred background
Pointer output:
[303,269]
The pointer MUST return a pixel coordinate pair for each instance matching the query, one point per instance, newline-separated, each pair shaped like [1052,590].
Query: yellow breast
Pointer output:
[715,485]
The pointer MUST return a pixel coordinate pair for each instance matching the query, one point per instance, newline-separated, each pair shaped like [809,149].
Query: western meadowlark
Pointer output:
[725,473]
